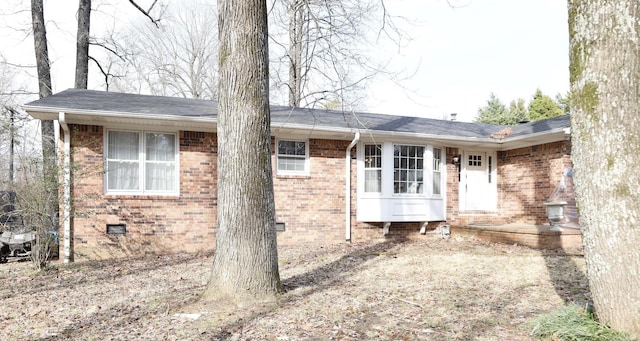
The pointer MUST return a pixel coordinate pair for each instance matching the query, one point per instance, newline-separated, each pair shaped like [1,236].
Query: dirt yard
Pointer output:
[432,289]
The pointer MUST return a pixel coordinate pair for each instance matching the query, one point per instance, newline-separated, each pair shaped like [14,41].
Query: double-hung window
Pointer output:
[141,162]
[292,157]
[437,171]
[408,169]
[372,168]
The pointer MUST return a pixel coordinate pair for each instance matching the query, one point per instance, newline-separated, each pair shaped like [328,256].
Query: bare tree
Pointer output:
[245,265]
[324,57]
[175,58]
[84,41]
[605,101]
[10,120]
[319,48]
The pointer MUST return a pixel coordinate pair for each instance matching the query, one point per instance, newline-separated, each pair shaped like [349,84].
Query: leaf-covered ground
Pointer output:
[430,289]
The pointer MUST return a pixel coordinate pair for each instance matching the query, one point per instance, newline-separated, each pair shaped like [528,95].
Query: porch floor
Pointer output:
[534,236]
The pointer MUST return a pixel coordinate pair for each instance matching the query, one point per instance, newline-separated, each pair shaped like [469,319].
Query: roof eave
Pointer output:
[554,135]
[75,116]
[203,123]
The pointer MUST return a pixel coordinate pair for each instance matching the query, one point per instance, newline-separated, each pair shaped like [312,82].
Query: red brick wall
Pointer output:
[155,224]
[312,207]
[526,178]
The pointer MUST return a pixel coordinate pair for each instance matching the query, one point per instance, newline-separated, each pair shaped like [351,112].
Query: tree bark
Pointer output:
[49,156]
[82,44]
[40,47]
[605,104]
[296,27]
[44,72]
[245,265]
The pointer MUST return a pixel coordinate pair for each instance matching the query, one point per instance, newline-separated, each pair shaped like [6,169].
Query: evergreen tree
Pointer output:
[518,111]
[494,112]
[543,106]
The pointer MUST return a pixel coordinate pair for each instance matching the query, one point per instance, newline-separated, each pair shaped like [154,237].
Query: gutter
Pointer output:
[66,185]
[347,184]
[46,113]
[143,118]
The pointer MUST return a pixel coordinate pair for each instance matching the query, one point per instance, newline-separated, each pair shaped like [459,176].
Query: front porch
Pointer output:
[534,236]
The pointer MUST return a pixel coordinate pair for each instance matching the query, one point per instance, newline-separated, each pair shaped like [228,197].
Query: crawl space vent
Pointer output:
[116,228]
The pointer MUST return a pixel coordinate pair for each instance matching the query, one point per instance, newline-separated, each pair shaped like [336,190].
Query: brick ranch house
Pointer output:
[141,173]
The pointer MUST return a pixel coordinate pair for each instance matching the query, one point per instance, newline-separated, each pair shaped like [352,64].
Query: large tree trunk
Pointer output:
[245,264]
[82,44]
[605,106]
[44,73]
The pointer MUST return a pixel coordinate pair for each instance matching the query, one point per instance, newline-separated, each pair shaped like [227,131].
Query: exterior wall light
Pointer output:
[456,159]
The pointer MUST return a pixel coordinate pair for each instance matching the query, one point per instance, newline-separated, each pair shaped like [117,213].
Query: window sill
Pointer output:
[142,196]
[293,176]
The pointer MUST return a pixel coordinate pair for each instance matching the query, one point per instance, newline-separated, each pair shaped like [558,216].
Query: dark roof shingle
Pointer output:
[102,102]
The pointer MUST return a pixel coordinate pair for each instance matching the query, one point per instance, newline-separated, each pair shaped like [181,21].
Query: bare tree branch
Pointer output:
[178,60]
[147,12]
[113,50]
[107,74]
[17,65]
[325,48]
[18,92]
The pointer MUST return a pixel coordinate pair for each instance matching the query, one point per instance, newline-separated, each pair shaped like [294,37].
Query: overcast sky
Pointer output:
[460,54]
[507,47]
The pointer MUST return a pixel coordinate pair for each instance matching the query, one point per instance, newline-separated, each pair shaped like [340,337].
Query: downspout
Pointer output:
[348,187]
[66,185]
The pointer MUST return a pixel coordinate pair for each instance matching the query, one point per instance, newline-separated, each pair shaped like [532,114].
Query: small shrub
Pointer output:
[574,323]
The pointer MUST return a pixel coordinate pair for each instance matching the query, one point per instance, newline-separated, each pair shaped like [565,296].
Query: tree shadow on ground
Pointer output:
[319,279]
[569,281]
[334,273]
[113,268]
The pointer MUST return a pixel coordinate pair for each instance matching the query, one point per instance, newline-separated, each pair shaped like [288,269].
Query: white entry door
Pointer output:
[476,181]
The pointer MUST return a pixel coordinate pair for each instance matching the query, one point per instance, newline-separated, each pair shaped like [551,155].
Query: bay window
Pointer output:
[141,162]
[400,182]
[390,169]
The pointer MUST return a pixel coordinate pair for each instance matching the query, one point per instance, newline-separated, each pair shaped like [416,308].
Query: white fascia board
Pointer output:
[555,135]
[445,140]
[376,135]
[308,131]
[93,117]
[48,113]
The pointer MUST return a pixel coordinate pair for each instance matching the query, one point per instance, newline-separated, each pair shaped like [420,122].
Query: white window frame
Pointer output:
[425,171]
[142,164]
[380,154]
[440,170]
[305,171]
[388,170]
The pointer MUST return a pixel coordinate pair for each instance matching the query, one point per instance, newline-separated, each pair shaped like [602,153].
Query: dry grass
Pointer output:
[431,289]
